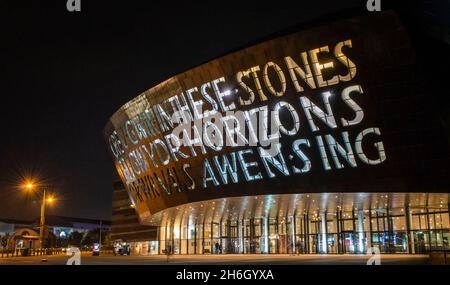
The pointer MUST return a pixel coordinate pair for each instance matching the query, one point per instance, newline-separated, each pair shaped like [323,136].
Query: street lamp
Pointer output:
[31,186]
[50,200]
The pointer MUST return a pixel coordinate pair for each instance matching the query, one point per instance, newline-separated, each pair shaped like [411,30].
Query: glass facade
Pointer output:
[413,229]
[344,115]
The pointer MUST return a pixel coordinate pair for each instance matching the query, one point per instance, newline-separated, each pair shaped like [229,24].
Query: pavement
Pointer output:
[228,259]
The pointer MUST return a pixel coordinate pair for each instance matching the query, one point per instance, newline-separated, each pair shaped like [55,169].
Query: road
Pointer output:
[391,259]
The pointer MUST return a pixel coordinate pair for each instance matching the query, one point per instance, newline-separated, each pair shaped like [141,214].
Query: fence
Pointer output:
[42,252]
[29,252]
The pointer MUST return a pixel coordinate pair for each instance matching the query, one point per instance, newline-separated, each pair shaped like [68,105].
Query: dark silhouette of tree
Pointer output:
[75,238]
[49,239]
[93,236]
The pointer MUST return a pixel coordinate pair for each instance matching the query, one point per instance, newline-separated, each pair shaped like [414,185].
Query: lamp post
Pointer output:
[42,219]
[31,186]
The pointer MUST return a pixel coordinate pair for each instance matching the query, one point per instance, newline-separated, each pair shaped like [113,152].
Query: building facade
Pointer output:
[128,235]
[25,234]
[62,227]
[321,140]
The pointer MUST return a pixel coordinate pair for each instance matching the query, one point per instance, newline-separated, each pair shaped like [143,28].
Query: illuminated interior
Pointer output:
[281,224]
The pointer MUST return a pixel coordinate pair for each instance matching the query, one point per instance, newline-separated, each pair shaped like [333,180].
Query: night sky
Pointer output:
[64,74]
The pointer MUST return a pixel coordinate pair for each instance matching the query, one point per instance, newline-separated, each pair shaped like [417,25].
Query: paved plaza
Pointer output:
[310,259]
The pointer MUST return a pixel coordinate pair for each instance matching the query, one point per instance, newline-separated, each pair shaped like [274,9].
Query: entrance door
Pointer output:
[348,242]
[231,241]
[273,244]
[314,244]
[331,243]
[420,242]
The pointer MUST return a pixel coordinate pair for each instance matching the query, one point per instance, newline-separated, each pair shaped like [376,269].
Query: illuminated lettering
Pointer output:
[281,78]
[246,165]
[306,162]
[323,153]
[181,113]
[163,157]
[318,67]
[310,108]
[237,129]
[295,70]
[359,113]
[208,99]
[342,58]
[226,168]
[174,145]
[246,88]
[185,168]
[279,164]
[270,129]
[378,145]
[196,105]
[212,135]
[220,95]
[336,148]
[294,117]
[208,174]
[165,122]
[254,73]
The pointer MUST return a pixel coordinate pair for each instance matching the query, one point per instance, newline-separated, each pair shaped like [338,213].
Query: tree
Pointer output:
[75,238]
[49,238]
[93,236]
[4,240]
[88,239]
[107,242]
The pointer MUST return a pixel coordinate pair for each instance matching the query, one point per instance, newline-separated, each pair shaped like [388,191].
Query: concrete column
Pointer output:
[252,235]
[158,234]
[294,233]
[195,237]
[306,219]
[220,234]
[242,232]
[323,223]
[410,235]
[369,240]
[360,231]
[428,229]
[187,236]
[261,235]
[213,244]
[277,240]
[266,234]
[338,230]
[203,237]
[228,233]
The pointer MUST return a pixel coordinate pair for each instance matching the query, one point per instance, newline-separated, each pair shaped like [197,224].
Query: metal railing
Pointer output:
[17,252]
